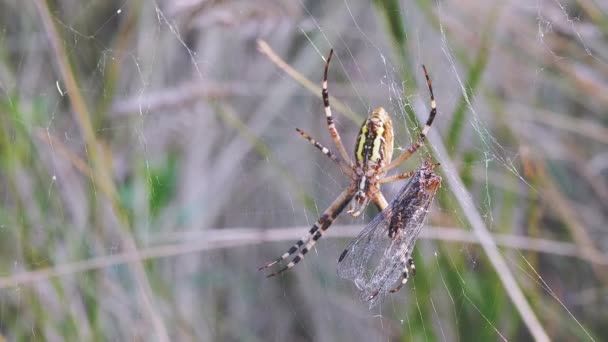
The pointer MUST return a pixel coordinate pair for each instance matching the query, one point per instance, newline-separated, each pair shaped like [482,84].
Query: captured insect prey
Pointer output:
[379,259]
[373,152]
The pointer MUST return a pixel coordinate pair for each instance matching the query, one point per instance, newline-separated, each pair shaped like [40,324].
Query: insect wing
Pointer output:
[354,261]
[375,261]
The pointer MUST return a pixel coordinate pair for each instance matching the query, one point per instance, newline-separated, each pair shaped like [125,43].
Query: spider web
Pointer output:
[195,130]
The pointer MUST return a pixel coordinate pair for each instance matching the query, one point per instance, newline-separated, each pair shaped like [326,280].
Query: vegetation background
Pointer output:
[149,165]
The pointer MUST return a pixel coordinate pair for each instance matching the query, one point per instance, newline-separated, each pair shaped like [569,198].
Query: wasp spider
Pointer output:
[373,154]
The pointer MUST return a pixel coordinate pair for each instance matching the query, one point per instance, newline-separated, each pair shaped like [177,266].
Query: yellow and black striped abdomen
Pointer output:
[374,146]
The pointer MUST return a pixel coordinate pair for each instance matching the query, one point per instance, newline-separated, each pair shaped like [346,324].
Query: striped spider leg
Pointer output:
[373,154]
[382,253]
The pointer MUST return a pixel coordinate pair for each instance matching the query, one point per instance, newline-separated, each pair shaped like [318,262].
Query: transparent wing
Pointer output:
[354,261]
[375,259]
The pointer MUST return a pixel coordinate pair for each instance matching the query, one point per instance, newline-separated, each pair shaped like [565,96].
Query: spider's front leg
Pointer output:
[412,268]
[416,145]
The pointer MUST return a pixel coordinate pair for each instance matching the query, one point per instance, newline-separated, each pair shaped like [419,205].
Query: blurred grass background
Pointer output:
[149,164]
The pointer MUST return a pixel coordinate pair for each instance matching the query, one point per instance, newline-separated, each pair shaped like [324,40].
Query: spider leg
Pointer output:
[330,119]
[345,168]
[412,267]
[295,247]
[412,264]
[315,233]
[380,201]
[398,176]
[373,295]
[412,149]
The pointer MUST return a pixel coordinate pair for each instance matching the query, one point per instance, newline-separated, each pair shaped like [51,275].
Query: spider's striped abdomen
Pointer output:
[373,150]
[374,146]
